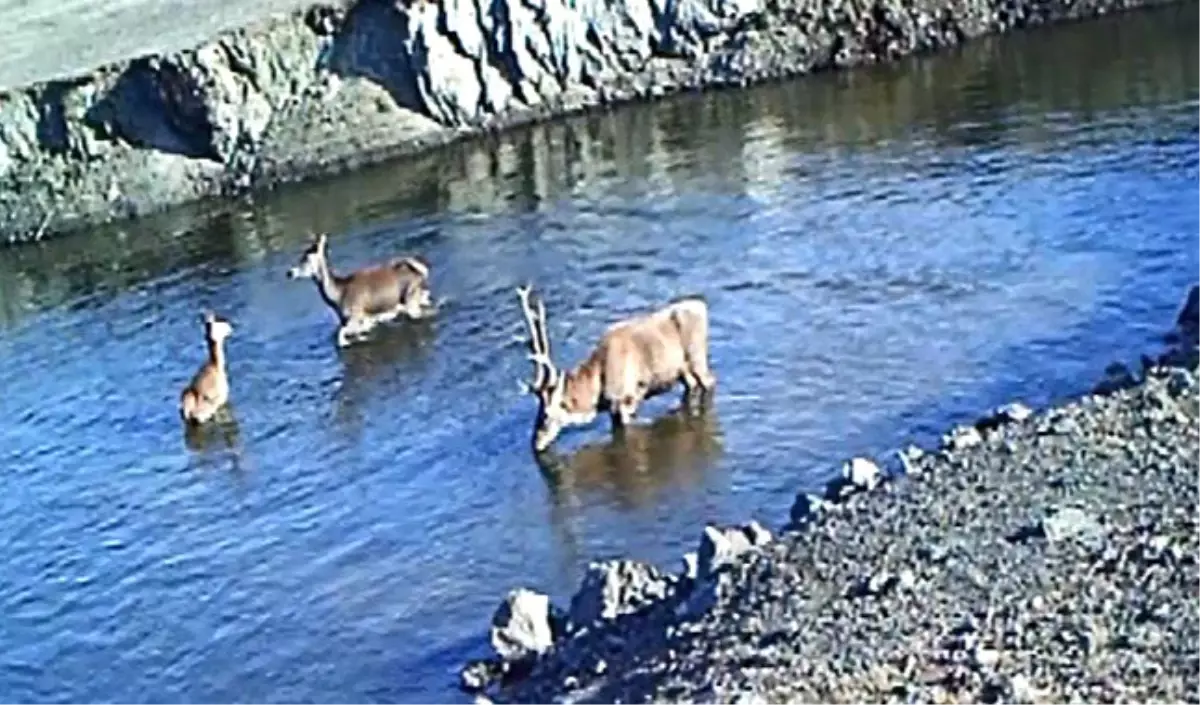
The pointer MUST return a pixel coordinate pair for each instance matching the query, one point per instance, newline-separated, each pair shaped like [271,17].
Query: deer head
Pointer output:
[549,384]
[216,329]
[312,261]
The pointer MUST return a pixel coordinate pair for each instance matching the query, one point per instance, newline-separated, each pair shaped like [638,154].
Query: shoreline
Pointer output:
[335,87]
[1033,557]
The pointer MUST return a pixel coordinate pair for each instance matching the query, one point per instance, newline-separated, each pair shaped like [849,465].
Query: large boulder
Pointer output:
[614,588]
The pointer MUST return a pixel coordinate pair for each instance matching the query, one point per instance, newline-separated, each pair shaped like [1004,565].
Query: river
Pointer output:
[885,253]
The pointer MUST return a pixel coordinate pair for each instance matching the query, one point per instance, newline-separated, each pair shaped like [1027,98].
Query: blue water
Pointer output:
[885,253]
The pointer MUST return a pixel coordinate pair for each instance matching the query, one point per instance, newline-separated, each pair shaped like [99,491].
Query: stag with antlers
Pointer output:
[635,359]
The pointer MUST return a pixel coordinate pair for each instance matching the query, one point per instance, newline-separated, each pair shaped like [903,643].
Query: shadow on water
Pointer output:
[221,435]
[218,446]
[380,367]
[634,465]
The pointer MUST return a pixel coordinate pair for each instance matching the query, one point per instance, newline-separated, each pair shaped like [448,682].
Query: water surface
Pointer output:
[884,252]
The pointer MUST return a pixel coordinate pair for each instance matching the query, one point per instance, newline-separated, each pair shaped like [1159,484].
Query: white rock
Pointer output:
[521,625]
[1015,411]
[690,565]
[614,588]
[862,473]
[720,546]
[908,458]
[1022,690]
[961,438]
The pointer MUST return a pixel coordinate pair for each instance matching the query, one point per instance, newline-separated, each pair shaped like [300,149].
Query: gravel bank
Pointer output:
[1047,556]
[336,85]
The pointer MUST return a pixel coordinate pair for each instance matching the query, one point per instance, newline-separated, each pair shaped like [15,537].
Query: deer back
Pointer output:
[652,349]
[382,288]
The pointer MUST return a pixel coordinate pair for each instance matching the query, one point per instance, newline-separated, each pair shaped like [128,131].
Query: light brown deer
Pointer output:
[209,389]
[636,358]
[368,296]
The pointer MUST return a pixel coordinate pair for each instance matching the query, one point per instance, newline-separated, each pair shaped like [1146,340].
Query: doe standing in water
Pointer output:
[637,358]
[368,296]
[209,389]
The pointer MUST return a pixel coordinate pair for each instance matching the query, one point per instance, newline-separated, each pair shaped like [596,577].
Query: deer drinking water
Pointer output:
[368,296]
[209,389]
[635,359]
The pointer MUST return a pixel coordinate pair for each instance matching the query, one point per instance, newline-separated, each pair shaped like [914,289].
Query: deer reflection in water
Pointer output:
[639,460]
[214,443]
[370,370]
[222,434]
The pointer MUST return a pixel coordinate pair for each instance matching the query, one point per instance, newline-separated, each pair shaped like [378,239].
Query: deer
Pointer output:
[368,296]
[208,391]
[635,359]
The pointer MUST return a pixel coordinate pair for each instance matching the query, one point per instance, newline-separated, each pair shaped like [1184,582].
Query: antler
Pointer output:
[545,373]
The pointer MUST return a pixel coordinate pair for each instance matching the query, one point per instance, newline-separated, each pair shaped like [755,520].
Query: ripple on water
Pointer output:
[882,256]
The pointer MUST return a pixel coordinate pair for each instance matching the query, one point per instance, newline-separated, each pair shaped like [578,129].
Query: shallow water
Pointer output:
[884,252]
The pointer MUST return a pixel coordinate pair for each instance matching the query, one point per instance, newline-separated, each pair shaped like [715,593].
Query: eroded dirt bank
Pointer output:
[1034,557]
[335,86]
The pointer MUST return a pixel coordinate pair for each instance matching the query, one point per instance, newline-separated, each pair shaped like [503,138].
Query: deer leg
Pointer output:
[703,377]
[692,390]
[353,329]
[421,305]
[625,411]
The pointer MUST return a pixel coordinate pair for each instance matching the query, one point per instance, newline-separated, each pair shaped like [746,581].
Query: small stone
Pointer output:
[806,507]
[720,546]
[690,565]
[521,625]
[1015,411]
[1070,522]
[1180,381]
[1022,690]
[985,658]
[758,534]
[861,473]
[908,459]
[879,582]
[906,580]
[477,675]
[961,438]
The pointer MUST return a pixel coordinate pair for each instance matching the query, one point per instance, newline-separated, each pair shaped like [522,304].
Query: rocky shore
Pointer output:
[338,85]
[1034,557]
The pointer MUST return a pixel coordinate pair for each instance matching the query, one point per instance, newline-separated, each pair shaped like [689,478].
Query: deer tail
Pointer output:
[413,264]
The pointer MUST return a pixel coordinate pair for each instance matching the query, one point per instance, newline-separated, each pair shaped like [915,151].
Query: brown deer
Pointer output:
[637,358]
[368,296]
[209,389]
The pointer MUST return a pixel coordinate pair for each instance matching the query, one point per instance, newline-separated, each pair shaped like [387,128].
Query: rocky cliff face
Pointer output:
[339,85]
